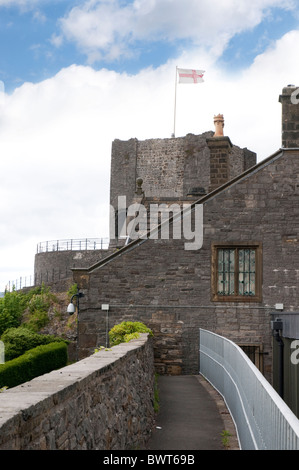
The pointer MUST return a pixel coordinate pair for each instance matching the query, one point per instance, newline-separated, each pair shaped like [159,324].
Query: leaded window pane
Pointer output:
[246,272]
[236,271]
[226,272]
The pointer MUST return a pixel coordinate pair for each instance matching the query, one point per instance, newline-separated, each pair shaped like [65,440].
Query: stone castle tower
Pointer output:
[175,170]
[165,171]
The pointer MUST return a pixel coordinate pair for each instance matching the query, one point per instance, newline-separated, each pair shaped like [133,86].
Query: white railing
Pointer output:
[263,420]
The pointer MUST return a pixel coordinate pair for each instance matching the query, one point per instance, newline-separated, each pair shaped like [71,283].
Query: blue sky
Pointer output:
[79,74]
[246,45]
[27,52]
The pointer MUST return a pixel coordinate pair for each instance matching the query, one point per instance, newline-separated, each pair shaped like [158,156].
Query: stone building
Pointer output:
[246,267]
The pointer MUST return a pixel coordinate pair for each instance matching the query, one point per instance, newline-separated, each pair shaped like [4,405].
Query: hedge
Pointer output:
[19,340]
[33,363]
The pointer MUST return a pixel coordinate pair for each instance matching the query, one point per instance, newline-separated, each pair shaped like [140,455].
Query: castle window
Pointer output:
[236,272]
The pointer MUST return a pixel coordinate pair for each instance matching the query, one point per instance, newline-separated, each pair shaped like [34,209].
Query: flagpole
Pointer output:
[176,74]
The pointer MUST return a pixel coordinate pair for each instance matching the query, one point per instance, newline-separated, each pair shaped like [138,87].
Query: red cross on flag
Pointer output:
[190,76]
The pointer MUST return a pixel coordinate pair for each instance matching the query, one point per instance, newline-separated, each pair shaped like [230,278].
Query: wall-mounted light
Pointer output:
[71,307]
[71,310]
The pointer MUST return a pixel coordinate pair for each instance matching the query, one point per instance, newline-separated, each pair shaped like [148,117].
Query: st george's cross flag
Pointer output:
[190,76]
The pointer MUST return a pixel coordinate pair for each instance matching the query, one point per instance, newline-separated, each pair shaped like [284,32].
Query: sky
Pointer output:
[75,75]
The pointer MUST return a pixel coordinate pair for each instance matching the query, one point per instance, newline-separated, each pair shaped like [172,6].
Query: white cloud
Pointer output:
[56,135]
[110,29]
[39,17]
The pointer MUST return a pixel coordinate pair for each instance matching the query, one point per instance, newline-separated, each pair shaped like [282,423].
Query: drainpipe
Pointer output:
[276,326]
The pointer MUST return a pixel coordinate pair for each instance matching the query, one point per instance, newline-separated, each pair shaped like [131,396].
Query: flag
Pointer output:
[190,76]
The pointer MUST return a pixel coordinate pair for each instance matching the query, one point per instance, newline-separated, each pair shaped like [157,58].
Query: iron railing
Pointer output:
[263,420]
[20,283]
[73,244]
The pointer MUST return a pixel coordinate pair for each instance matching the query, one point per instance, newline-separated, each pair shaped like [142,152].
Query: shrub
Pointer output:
[11,309]
[72,290]
[38,303]
[13,305]
[125,331]
[37,320]
[19,340]
[33,363]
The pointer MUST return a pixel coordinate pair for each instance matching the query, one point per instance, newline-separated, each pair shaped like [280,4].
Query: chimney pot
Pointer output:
[219,125]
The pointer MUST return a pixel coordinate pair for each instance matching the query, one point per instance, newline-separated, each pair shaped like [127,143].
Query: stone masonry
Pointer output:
[171,289]
[104,402]
[170,168]
[54,268]
[289,100]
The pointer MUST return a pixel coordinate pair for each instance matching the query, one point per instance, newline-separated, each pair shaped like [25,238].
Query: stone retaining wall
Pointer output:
[54,268]
[103,402]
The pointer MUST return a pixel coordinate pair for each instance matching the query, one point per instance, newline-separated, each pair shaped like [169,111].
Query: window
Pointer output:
[236,272]
[255,353]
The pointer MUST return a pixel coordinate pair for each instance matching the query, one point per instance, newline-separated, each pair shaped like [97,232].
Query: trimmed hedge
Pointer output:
[19,340]
[33,363]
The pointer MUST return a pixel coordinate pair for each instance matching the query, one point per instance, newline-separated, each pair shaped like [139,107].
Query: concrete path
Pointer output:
[192,416]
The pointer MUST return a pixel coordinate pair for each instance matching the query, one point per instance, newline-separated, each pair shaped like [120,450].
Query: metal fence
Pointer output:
[263,420]
[20,283]
[73,244]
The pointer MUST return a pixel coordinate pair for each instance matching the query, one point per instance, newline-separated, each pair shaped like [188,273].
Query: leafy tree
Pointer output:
[11,309]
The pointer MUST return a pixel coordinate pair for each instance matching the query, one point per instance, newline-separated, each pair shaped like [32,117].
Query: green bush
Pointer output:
[125,331]
[72,290]
[33,363]
[37,302]
[19,340]
[37,320]
[11,309]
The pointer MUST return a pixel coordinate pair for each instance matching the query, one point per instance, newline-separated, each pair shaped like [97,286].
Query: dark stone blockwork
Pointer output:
[171,289]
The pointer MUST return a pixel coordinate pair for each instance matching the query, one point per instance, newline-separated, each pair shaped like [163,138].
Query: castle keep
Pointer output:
[175,169]
[248,262]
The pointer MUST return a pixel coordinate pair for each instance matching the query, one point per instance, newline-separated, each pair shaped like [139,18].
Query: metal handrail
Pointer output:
[73,244]
[263,420]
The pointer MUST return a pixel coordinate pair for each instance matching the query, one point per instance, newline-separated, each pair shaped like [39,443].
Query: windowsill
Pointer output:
[231,298]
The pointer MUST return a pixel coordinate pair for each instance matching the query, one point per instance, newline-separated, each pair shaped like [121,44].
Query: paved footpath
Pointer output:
[192,416]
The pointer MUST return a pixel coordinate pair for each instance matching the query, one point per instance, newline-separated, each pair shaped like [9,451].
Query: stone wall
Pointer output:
[170,289]
[170,168]
[104,402]
[290,116]
[54,268]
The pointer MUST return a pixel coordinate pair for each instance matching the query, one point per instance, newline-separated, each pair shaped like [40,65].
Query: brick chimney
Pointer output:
[290,116]
[220,147]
